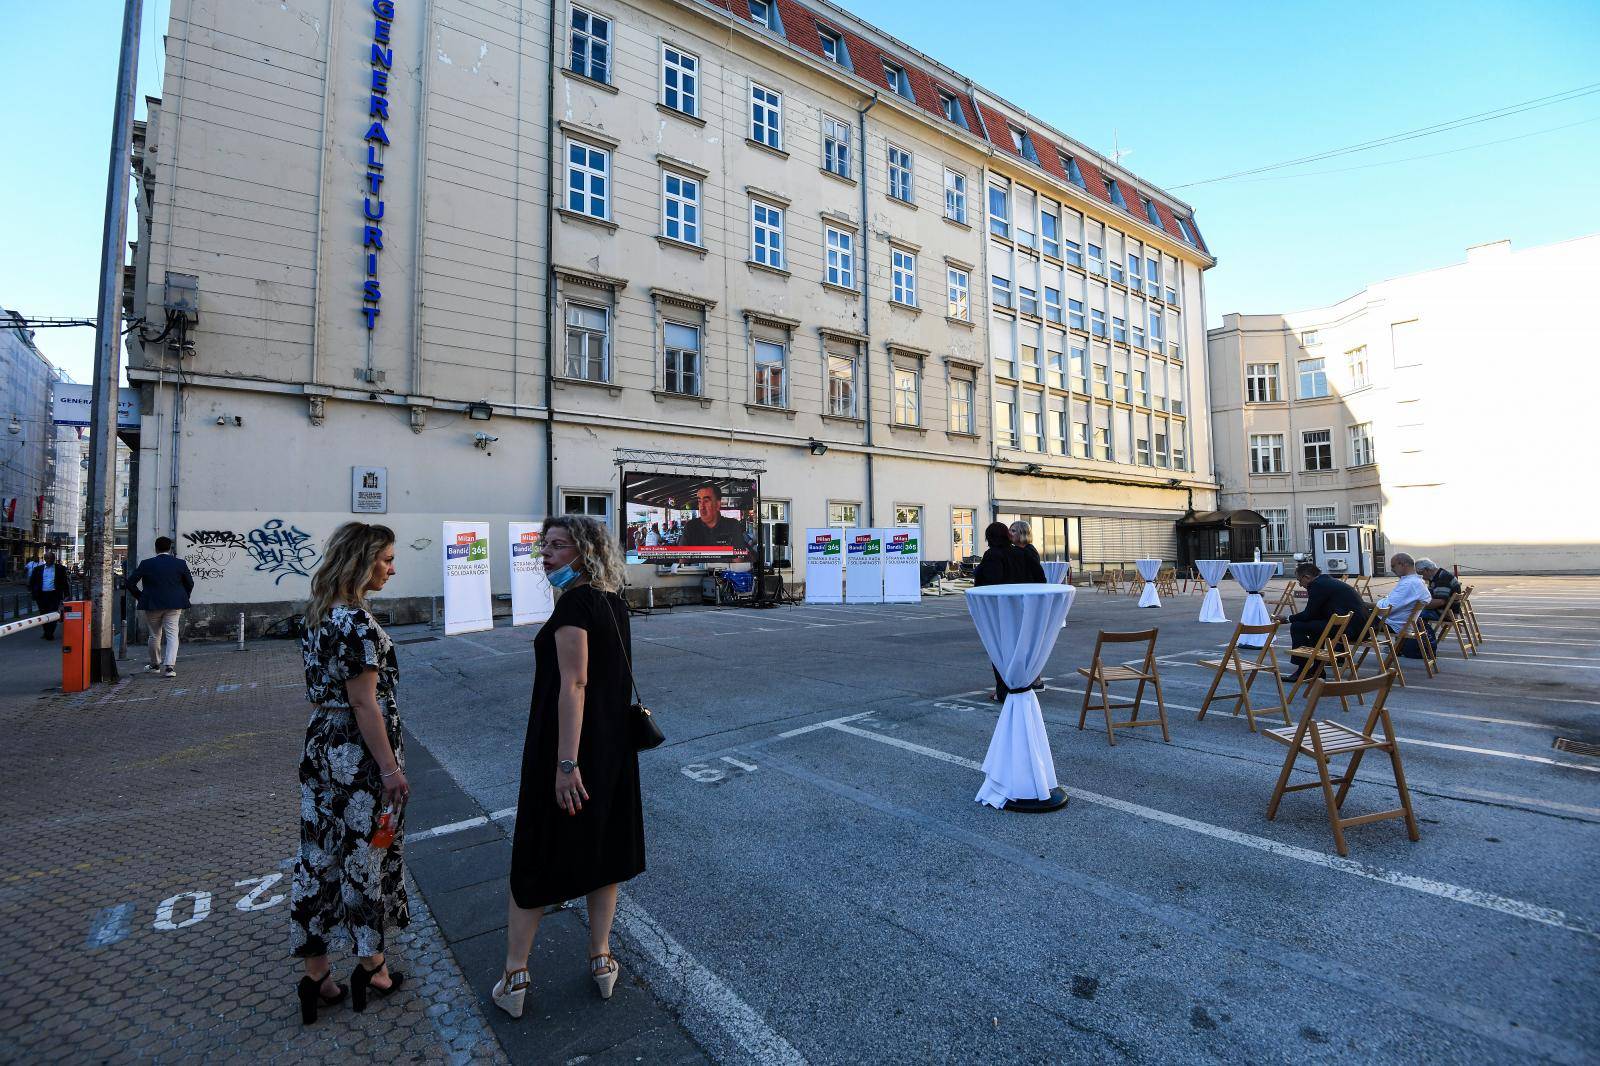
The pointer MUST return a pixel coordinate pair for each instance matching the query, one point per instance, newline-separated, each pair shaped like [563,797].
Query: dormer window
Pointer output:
[833,49]
[1115,192]
[951,108]
[764,13]
[1188,234]
[1023,144]
[895,78]
[1069,166]
[1151,213]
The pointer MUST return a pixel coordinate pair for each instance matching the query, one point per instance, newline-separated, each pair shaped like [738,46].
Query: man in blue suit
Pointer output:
[1325,597]
[162,583]
[49,583]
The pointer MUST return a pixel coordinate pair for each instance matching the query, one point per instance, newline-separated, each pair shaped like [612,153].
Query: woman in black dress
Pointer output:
[580,820]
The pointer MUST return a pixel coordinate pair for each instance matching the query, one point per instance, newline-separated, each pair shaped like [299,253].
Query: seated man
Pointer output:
[1410,591]
[1325,597]
[1442,584]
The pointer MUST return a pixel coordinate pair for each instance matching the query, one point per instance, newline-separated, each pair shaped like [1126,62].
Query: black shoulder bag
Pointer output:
[643,732]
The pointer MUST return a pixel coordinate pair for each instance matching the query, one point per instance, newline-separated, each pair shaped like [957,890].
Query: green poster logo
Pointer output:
[478,551]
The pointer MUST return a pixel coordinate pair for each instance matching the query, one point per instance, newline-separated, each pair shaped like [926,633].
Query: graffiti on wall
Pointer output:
[276,548]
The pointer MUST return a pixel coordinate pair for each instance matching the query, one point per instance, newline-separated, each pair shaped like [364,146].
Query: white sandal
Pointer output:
[510,991]
[605,978]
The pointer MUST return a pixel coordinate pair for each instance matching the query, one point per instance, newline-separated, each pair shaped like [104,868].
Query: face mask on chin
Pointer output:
[565,576]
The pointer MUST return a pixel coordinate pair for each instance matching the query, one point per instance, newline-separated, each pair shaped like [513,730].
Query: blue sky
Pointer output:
[1195,90]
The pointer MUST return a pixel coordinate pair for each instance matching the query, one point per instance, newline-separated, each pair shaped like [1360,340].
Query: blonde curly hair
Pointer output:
[598,554]
[347,562]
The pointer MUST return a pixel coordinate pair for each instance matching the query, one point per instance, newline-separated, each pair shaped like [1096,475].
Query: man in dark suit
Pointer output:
[49,584]
[1325,597]
[162,583]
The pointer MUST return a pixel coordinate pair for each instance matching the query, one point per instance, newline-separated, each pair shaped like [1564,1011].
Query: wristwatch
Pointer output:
[567,766]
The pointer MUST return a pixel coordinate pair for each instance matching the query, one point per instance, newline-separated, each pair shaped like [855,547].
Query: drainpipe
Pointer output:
[866,294]
[550,274]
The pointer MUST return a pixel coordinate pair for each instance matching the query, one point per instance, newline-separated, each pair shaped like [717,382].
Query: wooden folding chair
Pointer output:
[1245,669]
[1380,642]
[1193,583]
[1285,605]
[1452,621]
[1471,616]
[1331,651]
[1323,741]
[1098,673]
[1414,630]
[1167,581]
[1363,585]
[1110,582]
[1136,582]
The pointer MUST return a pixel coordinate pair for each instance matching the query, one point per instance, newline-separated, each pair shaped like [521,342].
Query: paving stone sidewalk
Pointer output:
[148,829]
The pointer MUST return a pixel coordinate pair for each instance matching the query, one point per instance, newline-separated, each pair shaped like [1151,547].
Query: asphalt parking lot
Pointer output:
[822,887]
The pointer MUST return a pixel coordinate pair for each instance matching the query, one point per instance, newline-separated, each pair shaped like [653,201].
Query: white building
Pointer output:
[1437,406]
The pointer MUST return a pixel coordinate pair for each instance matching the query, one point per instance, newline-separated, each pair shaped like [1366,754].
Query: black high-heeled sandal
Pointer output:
[361,984]
[309,992]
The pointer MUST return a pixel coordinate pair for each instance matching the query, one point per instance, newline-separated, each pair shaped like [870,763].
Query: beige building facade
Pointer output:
[1443,407]
[765,233]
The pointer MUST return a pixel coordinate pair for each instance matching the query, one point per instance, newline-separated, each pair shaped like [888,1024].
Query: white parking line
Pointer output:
[1515,908]
[1501,696]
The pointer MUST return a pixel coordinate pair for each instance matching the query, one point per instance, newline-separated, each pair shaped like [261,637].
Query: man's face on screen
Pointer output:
[709,504]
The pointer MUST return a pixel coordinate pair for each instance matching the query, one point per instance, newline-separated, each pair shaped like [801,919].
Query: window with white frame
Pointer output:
[1074,253]
[1102,440]
[841,250]
[1080,440]
[1180,460]
[766,234]
[771,374]
[1075,318]
[903,275]
[1005,416]
[1155,328]
[1275,538]
[1116,268]
[1362,450]
[1032,420]
[1079,360]
[1097,322]
[1313,379]
[835,146]
[1261,383]
[1000,291]
[681,361]
[961,401]
[1052,304]
[1152,273]
[1141,451]
[958,284]
[841,384]
[895,78]
[963,524]
[951,108]
[1027,300]
[1308,338]
[906,514]
[1320,516]
[843,514]
[1188,234]
[1317,448]
[774,513]
[955,196]
[907,395]
[1119,329]
[1049,231]
[591,46]
[833,47]
[1137,333]
[766,116]
[1163,456]
[1058,425]
[593,504]
[899,173]
[1135,278]
[680,207]
[1000,210]
[764,13]
[1360,372]
[680,80]
[1266,453]
[588,342]
[1365,514]
[1097,260]
[588,184]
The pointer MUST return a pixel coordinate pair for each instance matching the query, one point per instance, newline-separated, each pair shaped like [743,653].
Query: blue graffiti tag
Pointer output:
[280,550]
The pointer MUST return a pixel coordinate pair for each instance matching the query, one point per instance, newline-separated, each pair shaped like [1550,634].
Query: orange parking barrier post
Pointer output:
[76,636]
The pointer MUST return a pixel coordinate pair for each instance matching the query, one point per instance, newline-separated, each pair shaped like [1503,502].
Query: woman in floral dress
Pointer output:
[346,888]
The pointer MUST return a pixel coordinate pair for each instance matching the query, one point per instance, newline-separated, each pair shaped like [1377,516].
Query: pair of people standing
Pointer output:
[580,824]
[1010,559]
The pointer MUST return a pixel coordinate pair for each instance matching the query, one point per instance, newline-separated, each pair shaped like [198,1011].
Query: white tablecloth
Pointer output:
[1057,574]
[1018,625]
[1253,577]
[1213,571]
[1148,569]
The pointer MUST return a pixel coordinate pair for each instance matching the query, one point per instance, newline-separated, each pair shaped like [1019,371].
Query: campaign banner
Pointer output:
[863,564]
[902,565]
[824,566]
[531,598]
[467,606]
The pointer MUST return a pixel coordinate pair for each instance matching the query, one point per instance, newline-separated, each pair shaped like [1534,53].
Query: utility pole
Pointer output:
[108,357]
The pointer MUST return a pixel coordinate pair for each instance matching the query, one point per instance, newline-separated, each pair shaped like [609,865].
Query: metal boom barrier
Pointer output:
[29,623]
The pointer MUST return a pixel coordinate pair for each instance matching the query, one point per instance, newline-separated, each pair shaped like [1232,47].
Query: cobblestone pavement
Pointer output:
[148,829]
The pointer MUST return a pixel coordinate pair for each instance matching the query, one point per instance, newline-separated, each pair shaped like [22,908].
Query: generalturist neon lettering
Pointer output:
[381,60]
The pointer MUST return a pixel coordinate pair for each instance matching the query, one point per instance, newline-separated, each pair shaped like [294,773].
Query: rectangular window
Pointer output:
[843,514]
[1141,388]
[1097,260]
[1119,382]
[1317,446]
[1032,421]
[1097,322]
[1155,329]
[1152,273]
[903,273]
[899,173]
[1137,333]
[832,46]
[1116,270]
[1320,516]
[771,376]
[1102,442]
[1141,451]
[1151,213]
[1163,457]
[680,207]
[1180,459]
[999,211]
[766,116]
[680,80]
[1075,314]
[1135,279]
[1079,358]
[681,371]
[1080,439]
[774,513]
[1027,300]
[1000,289]
[1266,453]
[1188,234]
[591,46]
[1313,379]
[1362,452]
[1050,234]
[1074,253]
[907,396]
[1119,329]
[958,295]
[595,505]
[1360,375]
[841,257]
[963,523]
[951,108]
[1115,190]
[588,189]
[1005,417]
[1055,361]
[1308,338]
[1102,380]
[766,234]
[961,400]
[1364,514]
[955,196]
[1031,371]
[762,13]
[841,385]
[1261,383]
[1058,425]
[1052,304]
[1276,539]
[895,78]
[588,336]
[1069,166]
[835,146]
